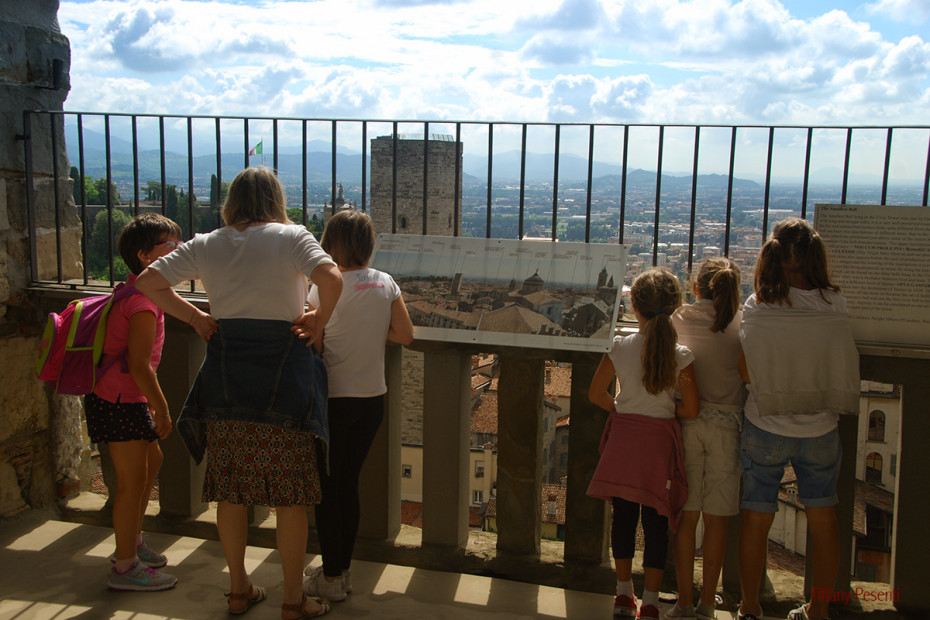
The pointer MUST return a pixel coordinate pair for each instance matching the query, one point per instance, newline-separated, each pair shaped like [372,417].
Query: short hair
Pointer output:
[349,237]
[255,195]
[144,232]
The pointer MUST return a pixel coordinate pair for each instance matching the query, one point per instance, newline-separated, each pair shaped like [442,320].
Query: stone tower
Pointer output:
[441,199]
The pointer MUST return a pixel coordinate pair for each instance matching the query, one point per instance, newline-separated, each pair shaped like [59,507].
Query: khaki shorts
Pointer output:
[712,463]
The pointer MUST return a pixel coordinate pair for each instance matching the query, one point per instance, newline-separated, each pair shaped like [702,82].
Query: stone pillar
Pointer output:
[586,524]
[380,480]
[446,423]
[519,461]
[181,480]
[911,536]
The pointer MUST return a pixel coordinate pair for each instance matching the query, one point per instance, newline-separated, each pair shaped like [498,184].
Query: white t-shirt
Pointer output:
[625,354]
[258,273]
[716,355]
[809,425]
[354,338]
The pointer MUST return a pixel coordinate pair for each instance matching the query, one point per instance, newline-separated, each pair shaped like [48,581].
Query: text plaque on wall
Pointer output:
[524,293]
[880,258]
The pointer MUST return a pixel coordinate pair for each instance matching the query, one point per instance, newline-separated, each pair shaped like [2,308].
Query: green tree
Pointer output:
[90,189]
[98,250]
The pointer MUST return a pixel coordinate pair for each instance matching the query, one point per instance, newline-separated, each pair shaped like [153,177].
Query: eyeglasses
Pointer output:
[171,244]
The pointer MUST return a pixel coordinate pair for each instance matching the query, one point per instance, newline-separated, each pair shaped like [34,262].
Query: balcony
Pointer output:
[670,224]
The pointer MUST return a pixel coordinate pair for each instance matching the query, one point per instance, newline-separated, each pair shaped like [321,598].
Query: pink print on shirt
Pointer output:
[363,285]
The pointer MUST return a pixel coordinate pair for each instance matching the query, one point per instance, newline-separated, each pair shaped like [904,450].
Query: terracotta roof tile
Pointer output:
[484,415]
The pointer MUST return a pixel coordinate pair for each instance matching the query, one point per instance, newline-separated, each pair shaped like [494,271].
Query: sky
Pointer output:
[765,62]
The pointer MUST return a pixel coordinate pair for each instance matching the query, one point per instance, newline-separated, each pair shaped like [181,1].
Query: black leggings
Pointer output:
[623,533]
[353,423]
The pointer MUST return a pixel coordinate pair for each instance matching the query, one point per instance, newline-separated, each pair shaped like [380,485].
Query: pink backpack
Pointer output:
[72,343]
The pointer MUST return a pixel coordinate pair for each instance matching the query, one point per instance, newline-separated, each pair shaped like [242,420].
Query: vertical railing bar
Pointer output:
[927,176]
[394,180]
[190,175]
[56,196]
[555,182]
[487,231]
[587,219]
[457,200]
[245,143]
[109,198]
[303,168]
[726,241]
[425,175]
[364,165]
[164,176]
[332,168]
[768,184]
[807,173]
[30,196]
[887,166]
[694,185]
[219,175]
[522,182]
[849,132]
[625,161]
[274,149]
[84,238]
[135,163]
[655,226]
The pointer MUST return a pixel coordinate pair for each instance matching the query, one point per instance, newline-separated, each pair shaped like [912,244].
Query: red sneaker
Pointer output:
[648,612]
[625,606]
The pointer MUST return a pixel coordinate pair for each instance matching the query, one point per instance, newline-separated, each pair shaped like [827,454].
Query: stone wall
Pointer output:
[40,437]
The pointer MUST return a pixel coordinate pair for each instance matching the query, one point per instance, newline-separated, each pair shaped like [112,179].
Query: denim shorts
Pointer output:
[816,463]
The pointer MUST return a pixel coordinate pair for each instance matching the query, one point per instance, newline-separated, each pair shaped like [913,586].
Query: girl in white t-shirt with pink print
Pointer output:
[370,311]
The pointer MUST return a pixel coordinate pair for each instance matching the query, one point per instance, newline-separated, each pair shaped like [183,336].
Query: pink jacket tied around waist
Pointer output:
[642,461]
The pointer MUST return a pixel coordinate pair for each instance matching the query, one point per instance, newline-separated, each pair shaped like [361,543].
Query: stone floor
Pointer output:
[51,568]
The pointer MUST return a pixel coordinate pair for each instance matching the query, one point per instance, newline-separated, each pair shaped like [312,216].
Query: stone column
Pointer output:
[446,417]
[181,480]
[379,485]
[911,536]
[586,537]
[519,461]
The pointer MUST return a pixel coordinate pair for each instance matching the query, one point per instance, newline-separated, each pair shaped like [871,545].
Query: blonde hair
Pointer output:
[349,237]
[656,294]
[794,246]
[255,195]
[718,280]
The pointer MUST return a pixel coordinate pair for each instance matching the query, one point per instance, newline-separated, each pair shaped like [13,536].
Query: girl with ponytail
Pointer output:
[710,329]
[641,470]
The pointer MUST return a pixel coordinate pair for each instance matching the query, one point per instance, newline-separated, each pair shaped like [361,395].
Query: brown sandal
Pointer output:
[298,608]
[247,597]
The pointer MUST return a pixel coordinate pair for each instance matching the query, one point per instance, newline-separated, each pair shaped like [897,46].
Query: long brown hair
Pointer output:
[656,294]
[718,281]
[793,247]
[255,195]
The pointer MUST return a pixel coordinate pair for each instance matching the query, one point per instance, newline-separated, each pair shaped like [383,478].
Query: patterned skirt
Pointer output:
[261,464]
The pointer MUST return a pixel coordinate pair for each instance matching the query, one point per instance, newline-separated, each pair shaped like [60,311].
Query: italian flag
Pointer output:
[257,150]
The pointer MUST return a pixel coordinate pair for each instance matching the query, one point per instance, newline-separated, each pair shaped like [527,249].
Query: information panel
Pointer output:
[527,293]
[880,258]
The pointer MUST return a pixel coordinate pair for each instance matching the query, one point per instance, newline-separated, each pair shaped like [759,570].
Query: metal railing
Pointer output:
[610,165]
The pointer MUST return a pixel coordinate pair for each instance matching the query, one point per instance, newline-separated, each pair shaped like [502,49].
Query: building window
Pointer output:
[406,471]
[894,464]
[402,223]
[877,426]
[873,468]
[477,497]
[479,469]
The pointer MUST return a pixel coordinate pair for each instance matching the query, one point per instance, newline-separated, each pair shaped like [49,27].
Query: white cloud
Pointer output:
[901,10]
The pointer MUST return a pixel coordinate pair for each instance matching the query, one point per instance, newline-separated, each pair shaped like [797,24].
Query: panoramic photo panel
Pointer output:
[510,292]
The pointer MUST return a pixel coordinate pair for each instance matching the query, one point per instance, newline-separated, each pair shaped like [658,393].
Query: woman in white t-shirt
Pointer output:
[370,312]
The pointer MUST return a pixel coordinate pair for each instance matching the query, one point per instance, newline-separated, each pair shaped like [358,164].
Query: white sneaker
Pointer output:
[316,584]
[681,613]
[347,580]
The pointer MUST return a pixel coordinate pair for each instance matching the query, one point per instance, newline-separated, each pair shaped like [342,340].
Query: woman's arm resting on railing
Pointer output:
[154,286]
